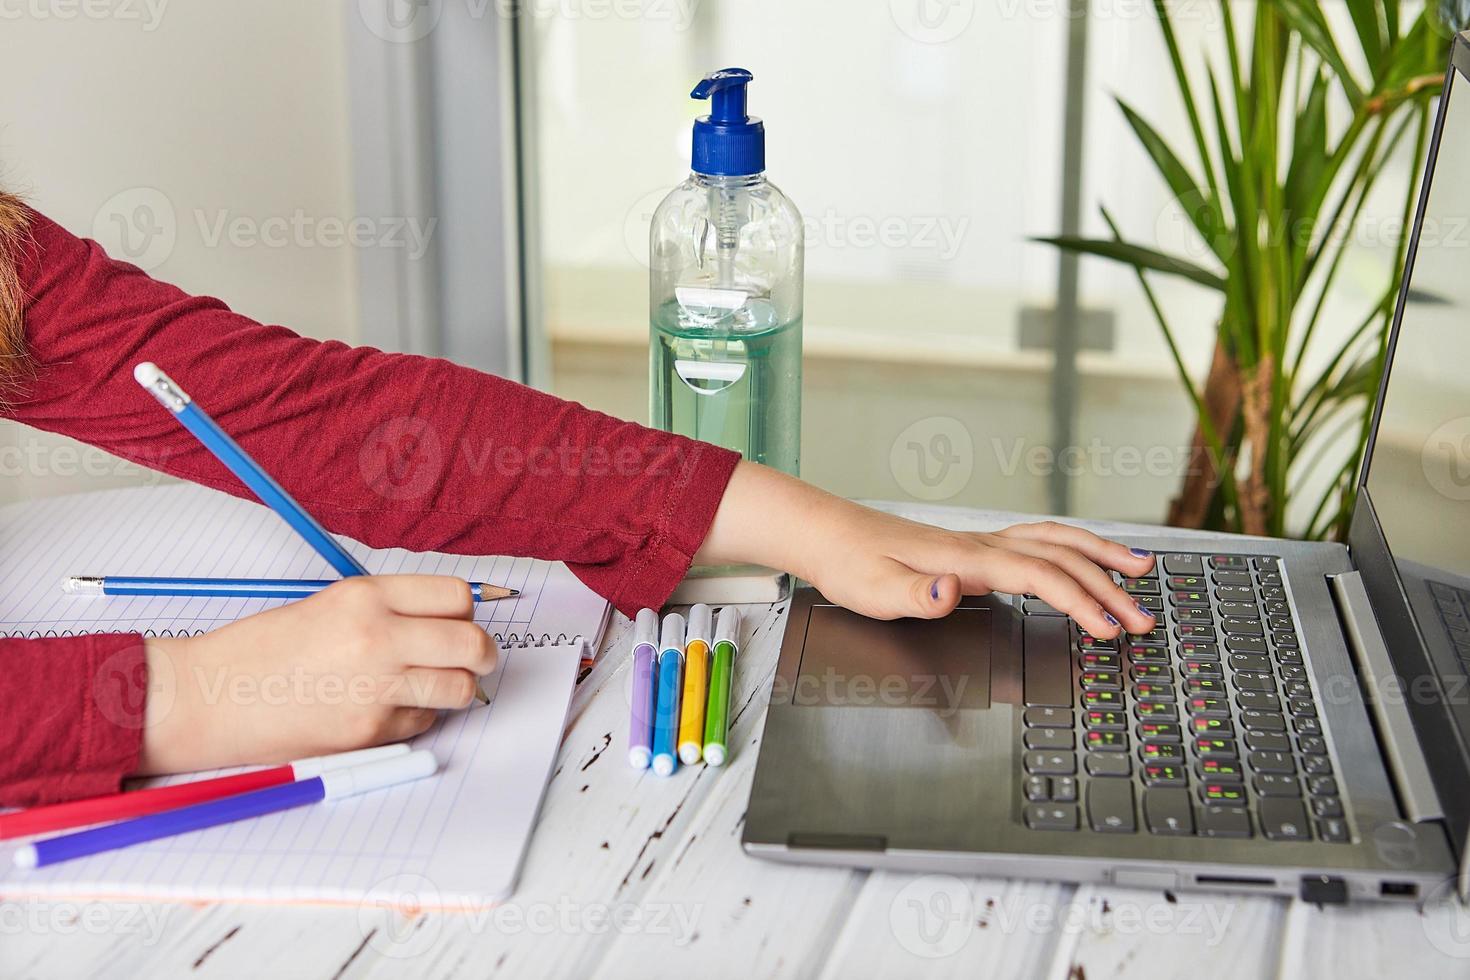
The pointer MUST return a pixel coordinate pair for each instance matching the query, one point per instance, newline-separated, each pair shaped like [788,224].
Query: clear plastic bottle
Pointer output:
[725,285]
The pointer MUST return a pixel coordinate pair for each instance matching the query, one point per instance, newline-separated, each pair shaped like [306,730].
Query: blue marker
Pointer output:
[331,785]
[218,442]
[670,684]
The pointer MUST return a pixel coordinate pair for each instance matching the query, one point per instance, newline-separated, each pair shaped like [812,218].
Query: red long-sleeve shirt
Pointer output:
[390,449]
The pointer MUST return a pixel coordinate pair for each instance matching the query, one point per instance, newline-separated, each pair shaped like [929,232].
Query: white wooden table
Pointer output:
[632,875]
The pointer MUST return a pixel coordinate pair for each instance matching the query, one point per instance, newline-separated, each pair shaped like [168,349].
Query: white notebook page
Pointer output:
[453,839]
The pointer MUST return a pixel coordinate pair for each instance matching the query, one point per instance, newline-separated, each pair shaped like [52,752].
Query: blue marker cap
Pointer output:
[727,142]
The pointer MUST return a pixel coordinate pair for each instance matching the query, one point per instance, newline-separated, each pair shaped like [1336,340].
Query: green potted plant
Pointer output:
[1285,144]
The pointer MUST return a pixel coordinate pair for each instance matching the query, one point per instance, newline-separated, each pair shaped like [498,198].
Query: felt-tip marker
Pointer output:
[696,683]
[670,684]
[722,671]
[640,725]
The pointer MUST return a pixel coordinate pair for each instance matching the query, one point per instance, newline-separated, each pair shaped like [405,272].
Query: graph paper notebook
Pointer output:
[455,839]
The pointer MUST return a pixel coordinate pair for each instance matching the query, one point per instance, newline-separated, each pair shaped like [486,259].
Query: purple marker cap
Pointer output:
[640,726]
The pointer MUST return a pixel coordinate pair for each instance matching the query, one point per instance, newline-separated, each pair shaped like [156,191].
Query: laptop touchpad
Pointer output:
[851,661]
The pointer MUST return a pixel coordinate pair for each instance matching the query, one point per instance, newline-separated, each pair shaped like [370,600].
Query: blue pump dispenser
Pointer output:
[727,142]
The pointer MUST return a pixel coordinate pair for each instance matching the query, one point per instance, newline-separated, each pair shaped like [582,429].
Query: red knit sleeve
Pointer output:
[71,716]
[390,449]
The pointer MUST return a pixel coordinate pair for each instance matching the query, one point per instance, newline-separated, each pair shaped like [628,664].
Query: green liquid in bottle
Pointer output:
[730,377]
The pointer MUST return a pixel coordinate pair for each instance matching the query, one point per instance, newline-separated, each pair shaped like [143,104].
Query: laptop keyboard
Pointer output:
[1454,611]
[1207,726]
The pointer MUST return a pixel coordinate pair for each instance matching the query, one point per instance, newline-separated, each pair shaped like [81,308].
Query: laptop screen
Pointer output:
[1419,475]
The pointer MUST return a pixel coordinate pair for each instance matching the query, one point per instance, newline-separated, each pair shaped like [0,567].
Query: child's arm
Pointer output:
[887,567]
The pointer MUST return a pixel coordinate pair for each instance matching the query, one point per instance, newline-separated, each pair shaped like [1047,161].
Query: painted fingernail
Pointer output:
[1140,553]
[1112,620]
[1145,610]
[934,590]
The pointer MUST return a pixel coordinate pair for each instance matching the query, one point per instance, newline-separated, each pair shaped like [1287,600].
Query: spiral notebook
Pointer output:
[453,840]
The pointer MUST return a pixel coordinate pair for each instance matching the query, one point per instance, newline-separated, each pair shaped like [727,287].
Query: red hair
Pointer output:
[14,219]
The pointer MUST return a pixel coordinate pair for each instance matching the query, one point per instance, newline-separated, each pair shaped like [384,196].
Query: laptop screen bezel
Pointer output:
[1443,727]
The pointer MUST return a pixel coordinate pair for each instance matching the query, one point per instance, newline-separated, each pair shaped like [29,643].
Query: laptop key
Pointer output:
[1263,721]
[1187,582]
[1197,615]
[1160,731]
[1232,578]
[1268,741]
[1326,806]
[1276,762]
[1302,709]
[1215,748]
[1038,789]
[1322,786]
[1205,725]
[1051,763]
[1307,726]
[1228,562]
[1047,677]
[1168,811]
[1051,816]
[1283,819]
[1245,644]
[1164,774]
[1242,627]
[1209,686]
[1334,830]
[1110,806]
[1224,821]
[1255,682]
[1141,586]
[1256,662]
[1239,610]
[1220,770]
[1108,721]
[1199,650]
[1049,738]
[1258,701]
[1222,792]
[1160,752]
[1272,784]
[1208,707]
[1148,655]
[1183,565]
[1312,745]
[1234,593]
[1267,563]
[1109,764]
[1095,660]
[1098,741]
[1064,789]
[1154,711]
[1317,765]
[1048,717]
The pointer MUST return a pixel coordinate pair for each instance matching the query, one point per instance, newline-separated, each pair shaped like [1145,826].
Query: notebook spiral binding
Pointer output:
[523,641]
[55,634]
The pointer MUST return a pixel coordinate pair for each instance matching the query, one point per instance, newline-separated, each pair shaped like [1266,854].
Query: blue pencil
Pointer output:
[328,786]
[232,588]
[227,451]
[666,705]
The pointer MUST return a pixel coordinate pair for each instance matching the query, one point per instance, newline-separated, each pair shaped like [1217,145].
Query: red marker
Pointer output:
[120,806]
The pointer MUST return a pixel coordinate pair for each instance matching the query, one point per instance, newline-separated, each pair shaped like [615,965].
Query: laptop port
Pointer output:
[1398,889]
[1232,881]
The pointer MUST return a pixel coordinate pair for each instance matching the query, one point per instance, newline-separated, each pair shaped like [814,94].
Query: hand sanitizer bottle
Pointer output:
[725,260]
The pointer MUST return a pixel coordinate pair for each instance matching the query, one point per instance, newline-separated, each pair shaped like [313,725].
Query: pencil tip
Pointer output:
[513,593]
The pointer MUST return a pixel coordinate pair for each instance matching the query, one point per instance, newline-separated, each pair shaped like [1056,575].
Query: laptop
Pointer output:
[1298,723]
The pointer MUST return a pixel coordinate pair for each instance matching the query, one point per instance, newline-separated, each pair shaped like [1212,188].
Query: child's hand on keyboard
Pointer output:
[886,567]
[365,661]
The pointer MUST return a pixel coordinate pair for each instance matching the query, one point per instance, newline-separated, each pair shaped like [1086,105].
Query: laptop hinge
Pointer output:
[1406,763]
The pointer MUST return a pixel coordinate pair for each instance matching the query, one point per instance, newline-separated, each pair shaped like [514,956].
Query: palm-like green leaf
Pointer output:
[1136,255]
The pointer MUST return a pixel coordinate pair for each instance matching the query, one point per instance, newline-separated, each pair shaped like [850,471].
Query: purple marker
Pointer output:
[645,649]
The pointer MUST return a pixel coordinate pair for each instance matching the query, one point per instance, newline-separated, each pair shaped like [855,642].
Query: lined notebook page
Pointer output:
[454,839]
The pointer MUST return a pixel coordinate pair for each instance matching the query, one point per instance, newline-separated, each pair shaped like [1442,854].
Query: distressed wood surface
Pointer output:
[632,875]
